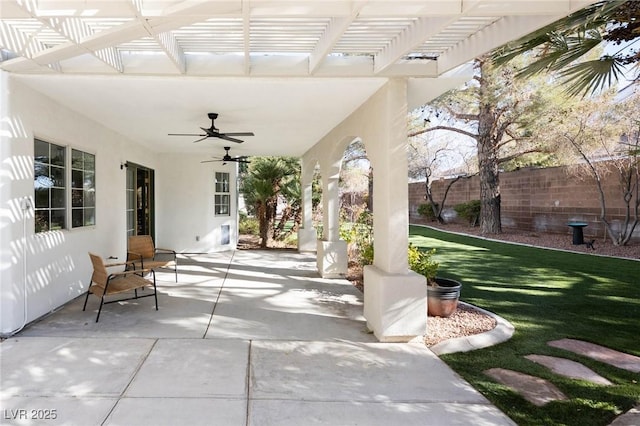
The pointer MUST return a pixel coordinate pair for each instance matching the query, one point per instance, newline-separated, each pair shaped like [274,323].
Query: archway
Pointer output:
[356,209]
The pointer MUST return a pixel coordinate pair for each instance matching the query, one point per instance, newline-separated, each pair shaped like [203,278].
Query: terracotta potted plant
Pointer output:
[442,293]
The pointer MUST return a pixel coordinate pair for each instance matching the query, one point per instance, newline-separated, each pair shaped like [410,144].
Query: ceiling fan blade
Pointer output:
[228,138]
[238,134]
[185,134]
[213,132]
[201,139]
[211,161]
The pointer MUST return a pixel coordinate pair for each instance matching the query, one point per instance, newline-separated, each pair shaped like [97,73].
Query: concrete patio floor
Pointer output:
[244,338]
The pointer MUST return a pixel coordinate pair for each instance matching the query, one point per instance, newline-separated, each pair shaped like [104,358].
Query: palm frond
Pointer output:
[576,48]
[591,76]
[561,51]
[512,50]
[590,18]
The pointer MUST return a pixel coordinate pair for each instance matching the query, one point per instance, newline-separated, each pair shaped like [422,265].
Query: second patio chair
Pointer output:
[144,255]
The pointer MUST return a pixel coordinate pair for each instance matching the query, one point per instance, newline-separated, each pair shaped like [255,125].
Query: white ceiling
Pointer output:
[286,115]
[288,70]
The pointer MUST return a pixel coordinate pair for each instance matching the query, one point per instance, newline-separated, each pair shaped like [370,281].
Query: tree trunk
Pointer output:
[489,175]
[263,225]
[266,218]
[284,218]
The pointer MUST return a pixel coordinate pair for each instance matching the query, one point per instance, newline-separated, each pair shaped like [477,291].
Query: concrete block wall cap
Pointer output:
[502,332]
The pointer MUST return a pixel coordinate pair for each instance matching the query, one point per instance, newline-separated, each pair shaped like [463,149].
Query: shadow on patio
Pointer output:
[245,337]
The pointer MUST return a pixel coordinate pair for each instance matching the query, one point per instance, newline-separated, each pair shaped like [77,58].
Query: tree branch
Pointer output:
[451,129]
[466,117]
[528,151]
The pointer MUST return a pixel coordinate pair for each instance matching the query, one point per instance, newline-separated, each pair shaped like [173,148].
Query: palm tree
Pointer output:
[265,180]
[563,45]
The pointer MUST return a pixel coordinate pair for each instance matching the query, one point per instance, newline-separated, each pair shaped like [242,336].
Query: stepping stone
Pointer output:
[568,368]
[534,389]
[599,353]
[630,418]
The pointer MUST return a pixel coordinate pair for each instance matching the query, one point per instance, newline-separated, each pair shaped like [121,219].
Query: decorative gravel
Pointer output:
[465,321]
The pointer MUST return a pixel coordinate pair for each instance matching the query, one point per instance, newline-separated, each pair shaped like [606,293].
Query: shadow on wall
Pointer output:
[30,262]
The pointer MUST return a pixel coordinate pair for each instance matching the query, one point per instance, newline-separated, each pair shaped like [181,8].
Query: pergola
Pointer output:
[307,77]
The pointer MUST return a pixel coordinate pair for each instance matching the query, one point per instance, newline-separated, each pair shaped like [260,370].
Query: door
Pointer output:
[140,200]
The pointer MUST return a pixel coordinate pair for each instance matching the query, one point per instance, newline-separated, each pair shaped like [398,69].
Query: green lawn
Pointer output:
[546,295]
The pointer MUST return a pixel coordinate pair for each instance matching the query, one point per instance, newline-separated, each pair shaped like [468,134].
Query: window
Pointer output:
[50,186]
[83,189]
[54,195]
[222,202]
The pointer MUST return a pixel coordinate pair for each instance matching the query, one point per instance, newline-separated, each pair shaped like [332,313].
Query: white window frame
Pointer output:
[222,194]
[67,208]
[47,182]
[88,192]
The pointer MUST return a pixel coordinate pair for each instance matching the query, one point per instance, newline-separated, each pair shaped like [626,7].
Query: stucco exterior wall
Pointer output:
[542,200]
[185,219]
[49,269]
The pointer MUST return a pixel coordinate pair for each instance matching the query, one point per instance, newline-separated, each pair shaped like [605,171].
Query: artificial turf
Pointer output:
[547,295]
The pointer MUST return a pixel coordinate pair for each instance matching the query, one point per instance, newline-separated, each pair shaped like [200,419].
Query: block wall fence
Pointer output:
[537,200]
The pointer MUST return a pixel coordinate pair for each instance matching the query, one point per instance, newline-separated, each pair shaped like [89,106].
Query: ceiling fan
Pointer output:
[228,158]
[214,132]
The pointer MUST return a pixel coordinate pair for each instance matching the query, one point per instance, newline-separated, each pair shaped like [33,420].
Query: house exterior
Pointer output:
[89,92]
[55,260]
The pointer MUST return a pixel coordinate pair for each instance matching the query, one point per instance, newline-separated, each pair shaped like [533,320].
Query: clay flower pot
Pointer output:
[442,297]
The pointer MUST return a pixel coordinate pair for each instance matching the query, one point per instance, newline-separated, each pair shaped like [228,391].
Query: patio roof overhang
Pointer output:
[289,71]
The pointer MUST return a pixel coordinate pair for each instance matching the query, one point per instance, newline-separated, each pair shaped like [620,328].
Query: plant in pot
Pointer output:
[442,293]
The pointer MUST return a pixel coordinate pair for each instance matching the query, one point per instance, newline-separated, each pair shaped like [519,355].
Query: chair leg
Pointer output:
[155,290]
[100,309]
[175,268]
[88,292]
[86,298]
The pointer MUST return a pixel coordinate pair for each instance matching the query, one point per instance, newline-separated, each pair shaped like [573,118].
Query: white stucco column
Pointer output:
[332,252]
[307,238]
[395,297]
[11,278]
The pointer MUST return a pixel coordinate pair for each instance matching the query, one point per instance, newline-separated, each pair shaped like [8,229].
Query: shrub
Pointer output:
[366,253]
[469,211]
[364,237]
[359,237]
[426,210]
[248,225]
[291,240]
[421,261]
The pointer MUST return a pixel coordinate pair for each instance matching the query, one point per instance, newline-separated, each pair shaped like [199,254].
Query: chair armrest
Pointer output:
[165,250]
[109,265]
[130,254]
[115,274]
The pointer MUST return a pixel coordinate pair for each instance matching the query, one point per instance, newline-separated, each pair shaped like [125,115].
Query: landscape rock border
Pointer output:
[502,332]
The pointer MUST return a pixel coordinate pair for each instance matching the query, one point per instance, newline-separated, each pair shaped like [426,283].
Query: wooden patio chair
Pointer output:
[144,255]
[104,283]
